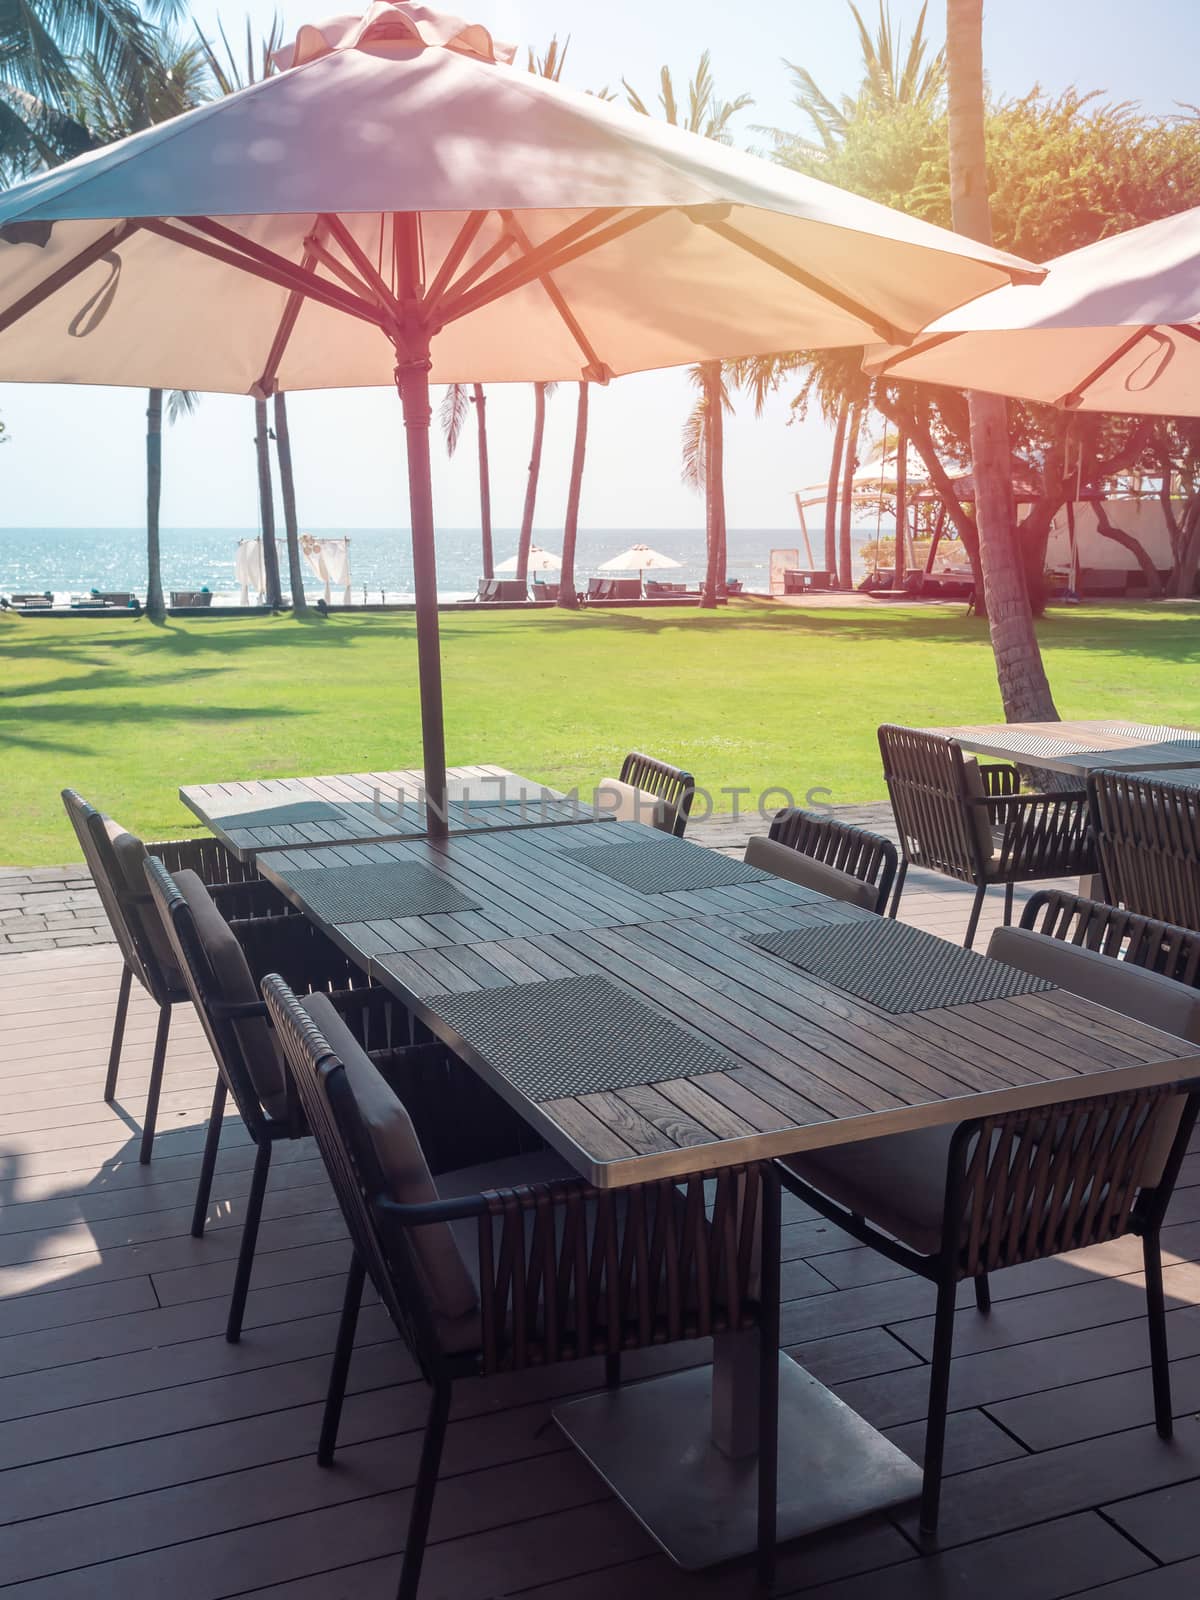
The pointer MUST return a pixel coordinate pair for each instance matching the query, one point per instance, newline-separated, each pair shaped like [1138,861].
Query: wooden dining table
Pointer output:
[1078,748]
[655,1009]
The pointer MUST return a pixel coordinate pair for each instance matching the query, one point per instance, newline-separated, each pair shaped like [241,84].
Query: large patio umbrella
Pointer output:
[539,561]
[1113,327]
[639,558]
[398,204]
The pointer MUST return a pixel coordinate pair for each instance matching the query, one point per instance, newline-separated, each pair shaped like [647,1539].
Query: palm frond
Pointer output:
[551,63]
[692,465]
[453,414]
[181,403]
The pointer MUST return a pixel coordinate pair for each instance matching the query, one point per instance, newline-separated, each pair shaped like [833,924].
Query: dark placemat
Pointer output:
[896,967]
[277,816]
[573,1036]
[661,864]
[376,891]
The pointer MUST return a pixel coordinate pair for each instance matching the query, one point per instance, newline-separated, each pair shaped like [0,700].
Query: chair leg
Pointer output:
[241,1282]
[1156,1316]
[612,1371]
[973,921]
[343,1350]
[118,1033]
[212,1140]
[422,1506]
[899,889]
[156,1077]
[1008,903]
[983,1293]
[939,1394]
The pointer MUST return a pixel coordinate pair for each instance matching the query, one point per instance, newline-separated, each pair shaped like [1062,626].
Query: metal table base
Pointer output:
[652,1443]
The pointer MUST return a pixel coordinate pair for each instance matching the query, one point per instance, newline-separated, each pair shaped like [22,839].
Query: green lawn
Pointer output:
[753,695]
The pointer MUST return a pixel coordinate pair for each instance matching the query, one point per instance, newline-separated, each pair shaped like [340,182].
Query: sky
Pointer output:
[76,455]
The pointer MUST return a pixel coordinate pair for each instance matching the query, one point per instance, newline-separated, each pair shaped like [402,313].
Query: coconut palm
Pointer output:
[230,74]
[702,111]
[173,79]
[1024,686]
[567,597]
[456,401]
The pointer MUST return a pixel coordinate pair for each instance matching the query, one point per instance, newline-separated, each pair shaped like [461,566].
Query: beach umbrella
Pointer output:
[398,204]
[539,561]
[1112,327]
[639,558]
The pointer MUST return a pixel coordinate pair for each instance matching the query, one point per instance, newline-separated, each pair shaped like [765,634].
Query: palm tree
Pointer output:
[230,75]
[457,398]
[702,111]
[1024,687]
[566,578]
[540,393]
[173,78]
[43,45]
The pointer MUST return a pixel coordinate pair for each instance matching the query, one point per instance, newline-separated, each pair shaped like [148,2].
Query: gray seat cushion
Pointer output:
[627,803]
[897,1182]
[130,855]
[236,986]
[786,862]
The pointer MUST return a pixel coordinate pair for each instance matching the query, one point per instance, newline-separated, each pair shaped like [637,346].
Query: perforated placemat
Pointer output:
[896,967]
[277,815]
[571,1036]
[660,864]
[376,891]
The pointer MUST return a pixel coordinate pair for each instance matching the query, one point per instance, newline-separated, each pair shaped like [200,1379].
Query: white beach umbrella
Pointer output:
[539,561]
[398,203]
[1113,327]
[639,558]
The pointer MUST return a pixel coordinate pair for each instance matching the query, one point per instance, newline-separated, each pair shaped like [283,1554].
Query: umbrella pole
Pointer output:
[412,382]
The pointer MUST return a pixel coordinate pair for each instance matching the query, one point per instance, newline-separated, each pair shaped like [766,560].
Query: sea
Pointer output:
[70,562]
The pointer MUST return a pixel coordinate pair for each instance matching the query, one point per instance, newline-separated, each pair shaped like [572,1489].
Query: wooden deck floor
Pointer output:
[143,1457]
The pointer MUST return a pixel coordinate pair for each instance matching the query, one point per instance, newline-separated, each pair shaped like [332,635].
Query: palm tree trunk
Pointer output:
[155,609]
[566,580]
[266,506]
[287,488]
[531,485]
[901,562]
[1024,687]
[845,561]
[479,401]
[714,480]
[831,495]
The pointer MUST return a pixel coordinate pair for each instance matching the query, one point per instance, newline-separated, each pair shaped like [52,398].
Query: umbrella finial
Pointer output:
[389,21]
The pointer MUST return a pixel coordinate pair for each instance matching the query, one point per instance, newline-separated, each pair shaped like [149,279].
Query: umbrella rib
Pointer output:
[1186,329]
[1074,397]
[772,258]
[263,263]
[358,258]
[596,370]
[283,333]
[63,275]
[556,252]
[880,369]
[463,241]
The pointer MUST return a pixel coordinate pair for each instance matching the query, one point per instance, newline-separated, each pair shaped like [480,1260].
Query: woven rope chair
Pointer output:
[1112,931]
[832,857]
[672,785]
[115,857]
[1148,838]
[961,1203]
[222,965]
[969,821]
[558,1271]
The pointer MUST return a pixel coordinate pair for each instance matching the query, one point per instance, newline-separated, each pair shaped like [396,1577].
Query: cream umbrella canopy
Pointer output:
[1114,326]
[639,558]
[397,204]
[539,561]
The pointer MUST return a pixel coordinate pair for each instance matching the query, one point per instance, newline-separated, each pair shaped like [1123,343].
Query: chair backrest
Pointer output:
[1034,1183]
[114,858]
[675,787]
[335,1117]
[927,785]
[223,990]
[854,852]
[1113,931]
[1147,833]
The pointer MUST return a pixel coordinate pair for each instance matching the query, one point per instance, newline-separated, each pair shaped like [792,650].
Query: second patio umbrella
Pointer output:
[398,204]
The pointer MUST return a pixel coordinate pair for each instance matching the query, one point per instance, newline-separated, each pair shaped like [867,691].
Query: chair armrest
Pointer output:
[1045,835]
[206,857]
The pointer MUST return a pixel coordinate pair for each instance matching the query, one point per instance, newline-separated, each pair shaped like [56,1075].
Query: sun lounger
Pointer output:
[191,597]
[30,602]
